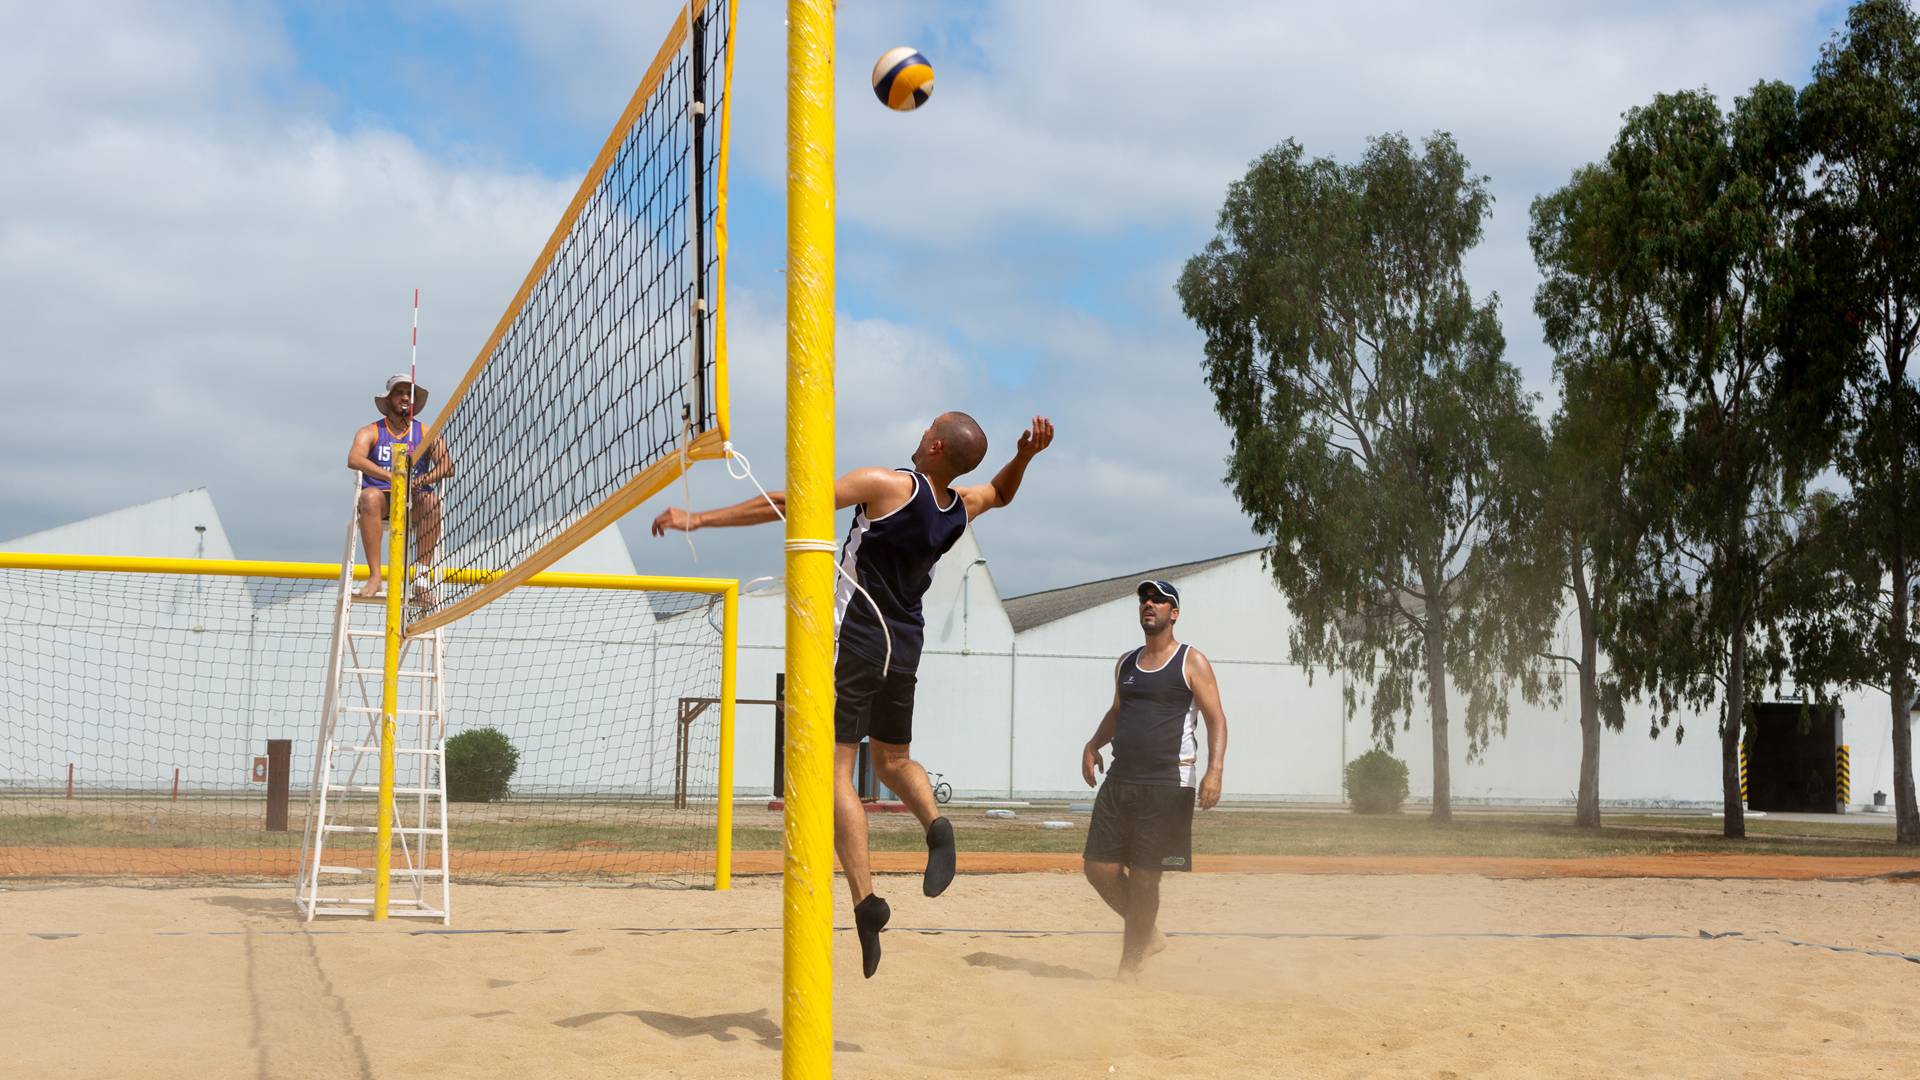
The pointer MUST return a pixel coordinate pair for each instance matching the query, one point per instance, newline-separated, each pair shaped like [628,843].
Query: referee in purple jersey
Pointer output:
[1143,817]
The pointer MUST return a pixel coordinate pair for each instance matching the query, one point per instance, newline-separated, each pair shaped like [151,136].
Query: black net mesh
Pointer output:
[602,376]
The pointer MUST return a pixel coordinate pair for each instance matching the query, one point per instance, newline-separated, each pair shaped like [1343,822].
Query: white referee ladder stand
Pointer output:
[343,801]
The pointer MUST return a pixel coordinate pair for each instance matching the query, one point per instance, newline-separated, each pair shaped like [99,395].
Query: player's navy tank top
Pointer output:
[1154,737]
[382,455]
[892,557]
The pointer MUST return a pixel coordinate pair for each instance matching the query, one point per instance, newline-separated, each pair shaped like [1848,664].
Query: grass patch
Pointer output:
[587,829]
[1513,835]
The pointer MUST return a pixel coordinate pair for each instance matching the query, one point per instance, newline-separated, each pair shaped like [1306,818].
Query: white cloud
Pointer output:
[201,280]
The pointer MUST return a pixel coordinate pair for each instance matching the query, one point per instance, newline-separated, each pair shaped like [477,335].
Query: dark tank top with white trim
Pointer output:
[1155,735]
[892,557]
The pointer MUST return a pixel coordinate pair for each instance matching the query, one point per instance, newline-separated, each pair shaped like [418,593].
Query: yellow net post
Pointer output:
[807,1008]
[390,679]
[723,826]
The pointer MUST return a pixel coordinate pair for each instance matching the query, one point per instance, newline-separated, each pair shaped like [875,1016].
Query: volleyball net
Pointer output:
[605,376]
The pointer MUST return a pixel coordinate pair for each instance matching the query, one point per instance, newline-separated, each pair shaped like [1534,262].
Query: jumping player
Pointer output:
[906,519]
[1143,817]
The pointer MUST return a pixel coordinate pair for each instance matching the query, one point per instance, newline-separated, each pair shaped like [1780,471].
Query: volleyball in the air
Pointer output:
[903,79]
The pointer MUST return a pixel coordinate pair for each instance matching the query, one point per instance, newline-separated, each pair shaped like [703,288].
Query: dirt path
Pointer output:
[245,862]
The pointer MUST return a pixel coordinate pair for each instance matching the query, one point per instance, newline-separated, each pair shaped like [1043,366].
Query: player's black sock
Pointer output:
[869,918]
[940,857]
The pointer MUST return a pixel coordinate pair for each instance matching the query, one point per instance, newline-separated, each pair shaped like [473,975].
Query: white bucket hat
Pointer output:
[385,405]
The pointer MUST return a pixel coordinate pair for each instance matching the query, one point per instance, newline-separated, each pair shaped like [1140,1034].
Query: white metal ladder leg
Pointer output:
[343,801]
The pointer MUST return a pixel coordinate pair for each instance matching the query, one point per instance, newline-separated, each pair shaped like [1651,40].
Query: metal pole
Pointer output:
[697,71]
[390,682]
[730,644]
[806,1051]
[1013,703]
[966,603]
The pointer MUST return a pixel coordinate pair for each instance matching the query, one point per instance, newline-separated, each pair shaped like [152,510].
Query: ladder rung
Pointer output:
[374,789]
[374,710]
[375,750]
[414,907]
[393,909]
[375,828]
[369,870]
[377,671]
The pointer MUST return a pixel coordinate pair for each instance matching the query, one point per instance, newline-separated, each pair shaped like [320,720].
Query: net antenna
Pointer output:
[413,362]
[605,377]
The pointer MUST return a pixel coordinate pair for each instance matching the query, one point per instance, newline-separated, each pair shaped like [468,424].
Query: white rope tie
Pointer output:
[804,544]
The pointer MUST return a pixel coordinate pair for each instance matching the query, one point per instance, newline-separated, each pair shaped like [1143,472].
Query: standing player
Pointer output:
[1143,817]
[906,519]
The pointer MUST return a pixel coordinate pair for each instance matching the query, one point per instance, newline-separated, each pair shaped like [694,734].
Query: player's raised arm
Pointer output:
[1206,695]
[887,487]
[981,498]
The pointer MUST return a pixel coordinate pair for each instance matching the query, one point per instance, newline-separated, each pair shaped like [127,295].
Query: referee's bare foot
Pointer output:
[369,591]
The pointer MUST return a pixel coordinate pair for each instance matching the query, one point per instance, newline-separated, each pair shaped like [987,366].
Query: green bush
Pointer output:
[479,765]
[1376,783]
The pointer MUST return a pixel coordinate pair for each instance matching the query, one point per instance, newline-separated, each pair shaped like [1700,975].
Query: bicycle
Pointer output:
[942,791]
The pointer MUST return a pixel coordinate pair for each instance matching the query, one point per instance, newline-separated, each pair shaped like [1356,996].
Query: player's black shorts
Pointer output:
[868,705]
[1149,826]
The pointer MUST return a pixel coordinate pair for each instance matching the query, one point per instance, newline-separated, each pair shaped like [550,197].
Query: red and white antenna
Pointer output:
[413,362]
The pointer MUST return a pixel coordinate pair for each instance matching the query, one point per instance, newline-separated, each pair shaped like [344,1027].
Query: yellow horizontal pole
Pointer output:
[136,564]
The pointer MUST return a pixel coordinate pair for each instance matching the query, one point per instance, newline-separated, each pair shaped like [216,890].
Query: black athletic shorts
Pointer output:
[1149,826]
[869,706]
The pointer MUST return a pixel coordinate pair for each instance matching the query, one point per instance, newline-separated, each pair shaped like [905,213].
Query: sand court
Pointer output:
[1006,976]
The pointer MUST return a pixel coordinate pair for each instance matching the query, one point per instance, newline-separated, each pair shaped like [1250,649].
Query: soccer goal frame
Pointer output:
[726,590]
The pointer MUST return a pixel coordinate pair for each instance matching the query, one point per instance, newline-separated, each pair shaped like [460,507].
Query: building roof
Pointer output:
[1035,609]
[164,528]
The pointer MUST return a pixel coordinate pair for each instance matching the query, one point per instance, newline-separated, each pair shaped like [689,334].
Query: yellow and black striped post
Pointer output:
[1743,774]
[1842,776]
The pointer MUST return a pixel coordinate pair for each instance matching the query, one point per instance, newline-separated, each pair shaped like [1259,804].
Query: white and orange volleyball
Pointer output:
[903,79]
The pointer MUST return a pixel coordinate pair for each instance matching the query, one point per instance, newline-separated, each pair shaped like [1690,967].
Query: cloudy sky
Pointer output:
[212,216]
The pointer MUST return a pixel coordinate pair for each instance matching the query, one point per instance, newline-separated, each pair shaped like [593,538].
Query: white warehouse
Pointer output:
[1010,688]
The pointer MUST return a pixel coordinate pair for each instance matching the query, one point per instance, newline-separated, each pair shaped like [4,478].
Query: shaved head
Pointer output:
[961,441]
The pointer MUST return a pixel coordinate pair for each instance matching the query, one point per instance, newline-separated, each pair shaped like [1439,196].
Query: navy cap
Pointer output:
[1164,588]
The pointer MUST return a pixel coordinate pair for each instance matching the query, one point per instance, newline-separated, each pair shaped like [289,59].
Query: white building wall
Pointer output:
[998,714]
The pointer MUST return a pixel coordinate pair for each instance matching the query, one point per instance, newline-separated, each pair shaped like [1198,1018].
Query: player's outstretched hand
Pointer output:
[1035,438]
[672,517]
[1090,763]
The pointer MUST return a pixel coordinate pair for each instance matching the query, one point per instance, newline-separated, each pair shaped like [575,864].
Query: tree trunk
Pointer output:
[1586,812]
[1736,821]
[1437,704]
[1906,815]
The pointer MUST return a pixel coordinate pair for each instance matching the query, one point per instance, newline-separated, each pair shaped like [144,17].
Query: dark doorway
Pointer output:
[1792,762]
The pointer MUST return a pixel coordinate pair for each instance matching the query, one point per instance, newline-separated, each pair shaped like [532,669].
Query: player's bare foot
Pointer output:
[1157,946]
[940,857]
[870,916]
